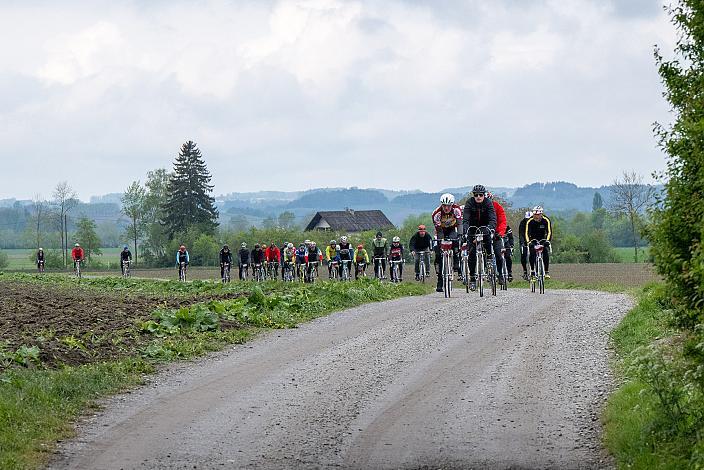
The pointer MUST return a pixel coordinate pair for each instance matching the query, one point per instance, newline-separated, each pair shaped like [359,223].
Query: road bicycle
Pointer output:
[225,273]
[272,270]
[503,267]
[379,267]
[300,272]
[360,269]
[258,272]
[126,268]
[538,279]
[182,268]
[423,264]
[334,270]
[40,266]
[244,271]
[311,271]
[346,276]
[77,268]
[288,271]
[396,270]
[464,265]
[484,267]
[447,264]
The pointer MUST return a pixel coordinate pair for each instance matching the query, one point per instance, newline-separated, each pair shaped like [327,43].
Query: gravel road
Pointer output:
[514,381]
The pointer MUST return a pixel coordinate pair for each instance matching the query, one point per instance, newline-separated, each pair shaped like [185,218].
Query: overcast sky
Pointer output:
[291,95]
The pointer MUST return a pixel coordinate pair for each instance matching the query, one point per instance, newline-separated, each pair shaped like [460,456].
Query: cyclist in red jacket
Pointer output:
[77,254]
[272,254]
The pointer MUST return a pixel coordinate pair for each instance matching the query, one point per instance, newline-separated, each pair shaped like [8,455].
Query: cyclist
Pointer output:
[313,255]
[257,255]
[243,255]
[345,251]
[361,258]
[478,212]
[421,241]
[508,245]
[396,254]
[125,256]
[523,243]
[379,249]
[538,228]
[331,256]
[77,254]
[282,248]
[501,224]
[225,258]
[446,219]
[288,258]
[273,255]
[41,258]
[182,256]
[300,259]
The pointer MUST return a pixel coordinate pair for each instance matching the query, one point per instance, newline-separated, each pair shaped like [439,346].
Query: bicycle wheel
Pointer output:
[465,273]
[541,276]
[504,274]
[491,273]
[481,273]
[447,284]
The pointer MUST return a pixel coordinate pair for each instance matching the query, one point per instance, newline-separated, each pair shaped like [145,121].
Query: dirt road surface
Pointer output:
[514,381]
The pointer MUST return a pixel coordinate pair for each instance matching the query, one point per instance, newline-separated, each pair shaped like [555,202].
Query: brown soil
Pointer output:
[76,326]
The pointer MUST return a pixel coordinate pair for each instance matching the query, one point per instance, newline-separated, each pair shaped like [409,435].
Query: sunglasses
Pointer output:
[478,194]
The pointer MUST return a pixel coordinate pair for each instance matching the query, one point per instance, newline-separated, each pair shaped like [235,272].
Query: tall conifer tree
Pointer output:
[188,201]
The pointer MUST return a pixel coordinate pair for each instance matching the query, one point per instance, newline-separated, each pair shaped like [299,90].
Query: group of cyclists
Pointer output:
[481,220]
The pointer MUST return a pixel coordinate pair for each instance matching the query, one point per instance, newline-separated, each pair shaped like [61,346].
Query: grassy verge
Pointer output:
[654,418]
[38,403]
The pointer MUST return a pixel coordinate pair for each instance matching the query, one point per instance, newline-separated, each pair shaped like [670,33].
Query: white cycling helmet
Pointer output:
[289,246]
[538,210]
[396,239]
[243,245]
[343,239]
[447,199]
[41,249]
[528,214]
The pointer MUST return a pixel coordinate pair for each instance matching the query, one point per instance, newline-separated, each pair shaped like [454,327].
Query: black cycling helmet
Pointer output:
[479,188]
[379,234]
[225,247]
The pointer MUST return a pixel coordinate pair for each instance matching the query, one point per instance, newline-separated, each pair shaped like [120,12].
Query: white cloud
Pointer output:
[116,87]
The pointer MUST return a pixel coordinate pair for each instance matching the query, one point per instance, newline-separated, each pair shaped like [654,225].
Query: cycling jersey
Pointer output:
[419,243]
[77,253]
[379,246]
[257,256]
[289,255]
[301,255]
[538,229]
[225,256]
[125,255]
[243,255]
[522,231]
[182,257]
[40,256]
[500,219]
[330,252]
[272,254]
[345,251]
[396,252]
[446,222]
[361,256]
[479,214]
[509,236]
[313,254]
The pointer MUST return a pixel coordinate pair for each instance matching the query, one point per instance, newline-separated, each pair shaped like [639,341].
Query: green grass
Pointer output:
[37,406]
[633,411]
[626,254]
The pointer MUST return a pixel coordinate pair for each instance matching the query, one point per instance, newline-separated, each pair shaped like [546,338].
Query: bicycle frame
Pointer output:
[539,266]
[226,273]
[312,271]
[378,267]
[126,268]
[446,249]
[396,270]
[345,270]
[182,271]
[423,264]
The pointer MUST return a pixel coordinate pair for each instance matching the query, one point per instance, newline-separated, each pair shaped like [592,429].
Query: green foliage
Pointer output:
[4,260]
[188,202]
[597,202]
[133,207]
[599,249]
[676,233]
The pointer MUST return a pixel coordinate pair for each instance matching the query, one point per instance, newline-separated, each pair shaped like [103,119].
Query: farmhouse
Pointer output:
[349,221]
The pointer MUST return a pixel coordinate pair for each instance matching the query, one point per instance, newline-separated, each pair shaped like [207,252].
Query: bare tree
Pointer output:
[64,200]
[39,210]
[629,198]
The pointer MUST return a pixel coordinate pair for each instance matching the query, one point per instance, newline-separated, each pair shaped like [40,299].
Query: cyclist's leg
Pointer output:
[546,258]
[509,261]
[438,266]
[472,252]
[524,258]
[531,258]
[417,263]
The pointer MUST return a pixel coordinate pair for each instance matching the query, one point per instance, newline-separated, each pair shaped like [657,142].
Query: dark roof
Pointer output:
[352,221]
